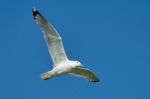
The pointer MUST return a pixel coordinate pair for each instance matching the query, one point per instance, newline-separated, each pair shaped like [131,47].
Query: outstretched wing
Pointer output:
[52,38]
[83,72]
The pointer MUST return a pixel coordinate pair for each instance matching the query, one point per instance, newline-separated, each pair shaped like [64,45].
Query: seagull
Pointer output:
[61,64]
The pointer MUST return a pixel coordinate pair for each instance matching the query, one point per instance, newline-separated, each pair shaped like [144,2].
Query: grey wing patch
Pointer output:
[52,38]
[83,72]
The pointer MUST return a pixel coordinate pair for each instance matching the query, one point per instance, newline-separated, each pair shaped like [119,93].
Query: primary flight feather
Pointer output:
[61,64]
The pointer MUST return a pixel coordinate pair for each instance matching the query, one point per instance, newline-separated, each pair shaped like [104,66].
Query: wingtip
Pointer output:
[33,8]
[95,81]
[35,12]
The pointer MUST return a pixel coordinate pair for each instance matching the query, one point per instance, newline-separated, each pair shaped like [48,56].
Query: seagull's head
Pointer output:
[76,64]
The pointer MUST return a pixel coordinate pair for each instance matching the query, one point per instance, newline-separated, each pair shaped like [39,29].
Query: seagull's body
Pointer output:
[62,65]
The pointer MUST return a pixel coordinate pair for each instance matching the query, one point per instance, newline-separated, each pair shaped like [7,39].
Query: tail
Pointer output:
[46,75]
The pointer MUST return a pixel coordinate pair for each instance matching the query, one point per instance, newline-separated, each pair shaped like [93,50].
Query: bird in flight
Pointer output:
[61,64]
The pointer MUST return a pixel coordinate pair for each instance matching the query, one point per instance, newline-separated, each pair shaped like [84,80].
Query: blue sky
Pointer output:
[112,38]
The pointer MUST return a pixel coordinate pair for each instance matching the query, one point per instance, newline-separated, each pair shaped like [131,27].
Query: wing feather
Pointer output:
[52,38]
[83,72]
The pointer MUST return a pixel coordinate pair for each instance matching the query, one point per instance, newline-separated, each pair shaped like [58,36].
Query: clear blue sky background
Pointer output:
[111,37]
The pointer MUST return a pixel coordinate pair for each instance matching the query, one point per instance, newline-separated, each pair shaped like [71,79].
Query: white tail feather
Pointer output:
[46,76]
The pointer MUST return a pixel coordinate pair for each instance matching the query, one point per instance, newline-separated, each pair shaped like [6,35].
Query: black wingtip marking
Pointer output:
[35,12]
[97,80]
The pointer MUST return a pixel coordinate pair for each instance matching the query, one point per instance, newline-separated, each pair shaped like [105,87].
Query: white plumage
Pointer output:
[62,65]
